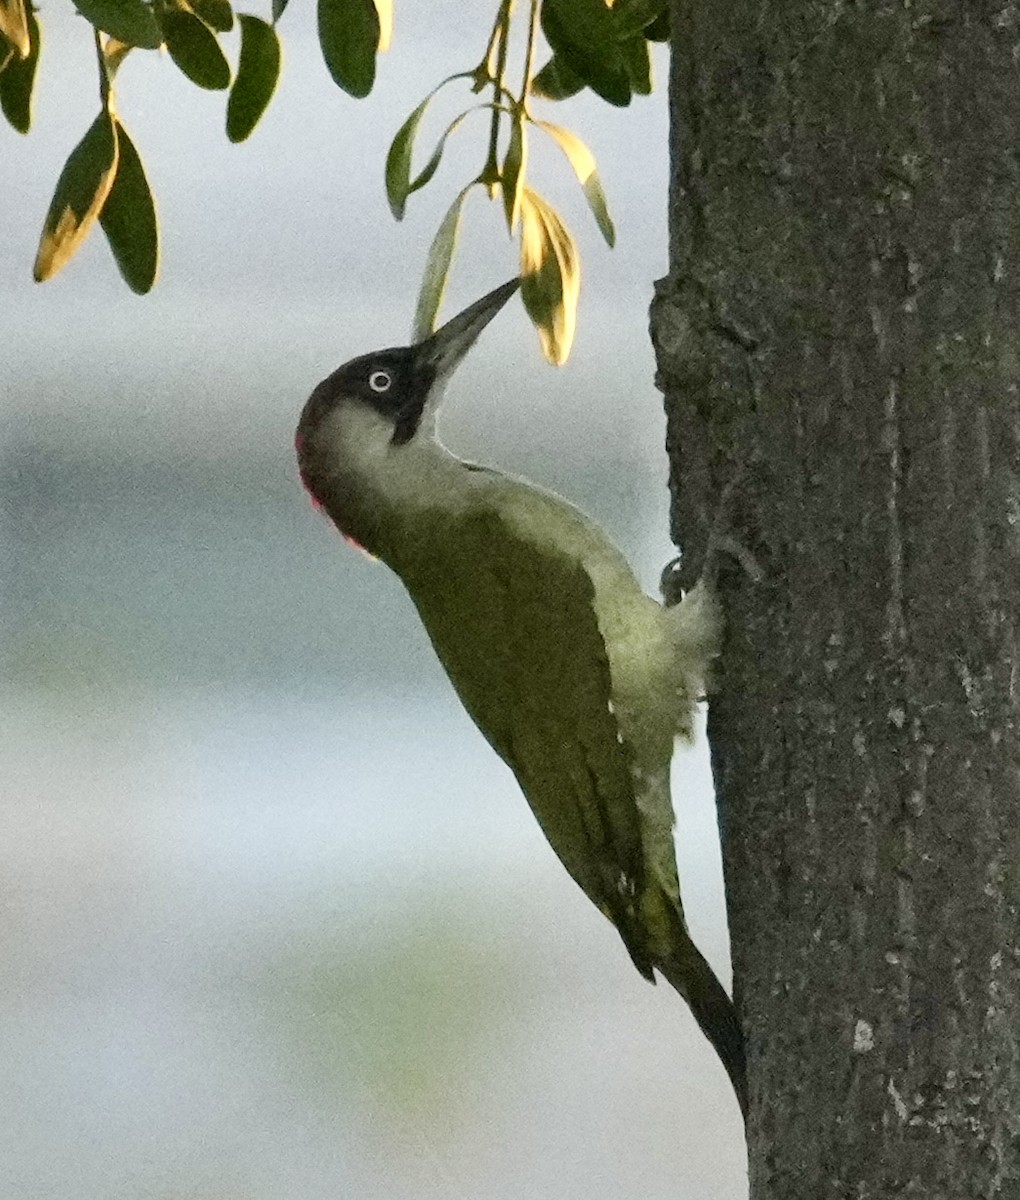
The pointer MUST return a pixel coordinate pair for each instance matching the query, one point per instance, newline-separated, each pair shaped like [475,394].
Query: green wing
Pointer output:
[515,627]
[514,623]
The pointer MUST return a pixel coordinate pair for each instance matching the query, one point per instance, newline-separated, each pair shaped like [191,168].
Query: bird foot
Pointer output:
[721,542]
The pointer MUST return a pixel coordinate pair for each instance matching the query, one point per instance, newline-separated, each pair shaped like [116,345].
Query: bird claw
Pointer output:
[669,582]
[721,541]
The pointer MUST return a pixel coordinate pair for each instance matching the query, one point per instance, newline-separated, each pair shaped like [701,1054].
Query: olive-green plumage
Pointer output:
[579,681]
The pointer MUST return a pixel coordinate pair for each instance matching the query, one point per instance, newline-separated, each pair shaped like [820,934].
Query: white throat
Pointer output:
[420,474]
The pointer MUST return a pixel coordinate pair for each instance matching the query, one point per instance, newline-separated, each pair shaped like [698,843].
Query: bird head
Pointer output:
[373,419]
[387,399]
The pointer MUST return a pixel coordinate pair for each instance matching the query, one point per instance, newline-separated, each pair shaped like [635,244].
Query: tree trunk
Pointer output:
[838,341]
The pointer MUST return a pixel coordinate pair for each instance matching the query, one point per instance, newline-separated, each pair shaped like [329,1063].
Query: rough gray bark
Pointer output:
[839,334]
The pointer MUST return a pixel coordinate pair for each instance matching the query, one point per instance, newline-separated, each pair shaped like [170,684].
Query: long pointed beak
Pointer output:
[445,348]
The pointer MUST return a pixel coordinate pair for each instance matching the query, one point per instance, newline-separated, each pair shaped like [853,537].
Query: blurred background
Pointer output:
[276,923]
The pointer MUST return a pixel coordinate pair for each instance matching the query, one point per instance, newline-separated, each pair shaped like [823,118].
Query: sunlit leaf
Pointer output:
[195,50]
[258,71]
[437,269]
[583,33]
[349,34]
[14,25]
[279,8]
[514,169]
[81,191]
[550,276]
[385,10]
[128,218]
[217,14]
[639,64]
[556,81]
[130,21]
[114,53]
[583,162]
[16,80]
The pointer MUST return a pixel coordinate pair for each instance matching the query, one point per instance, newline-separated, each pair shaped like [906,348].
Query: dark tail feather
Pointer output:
[688,973]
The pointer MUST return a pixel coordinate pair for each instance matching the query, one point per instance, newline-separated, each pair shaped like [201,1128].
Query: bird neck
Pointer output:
[388,502]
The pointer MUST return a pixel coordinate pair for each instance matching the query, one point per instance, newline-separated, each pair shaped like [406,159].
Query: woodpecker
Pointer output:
[579,681]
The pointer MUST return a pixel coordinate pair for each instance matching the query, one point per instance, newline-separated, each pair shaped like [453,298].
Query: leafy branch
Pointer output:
[593,45]
[599,44]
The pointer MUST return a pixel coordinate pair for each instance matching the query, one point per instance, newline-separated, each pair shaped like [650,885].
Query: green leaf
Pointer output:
[639,64]
[258,71]
[556,81]
[430,168]
[217,14]
[81,191]
[634,16]
[128,218]
[16,80]
[550,276]
[130,21]
[658,30]
[437,269]
[514,169]
[399,184]
[195,50]
[398,161]
[583,162]
[14,26]
[279,8]
[583,33]
[349,34]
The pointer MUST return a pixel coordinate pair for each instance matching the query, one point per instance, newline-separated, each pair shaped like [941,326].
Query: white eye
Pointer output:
[380,381]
